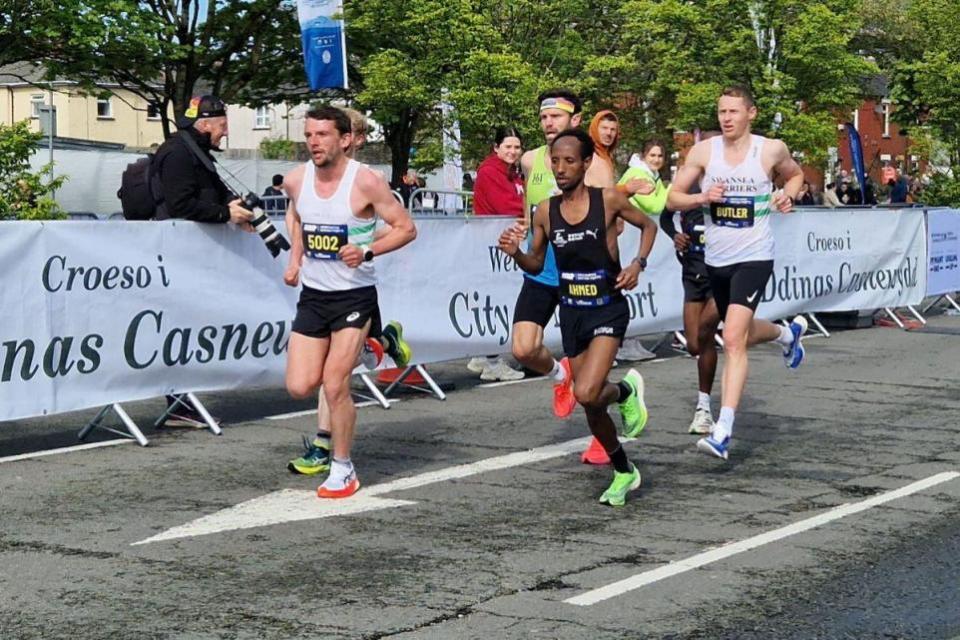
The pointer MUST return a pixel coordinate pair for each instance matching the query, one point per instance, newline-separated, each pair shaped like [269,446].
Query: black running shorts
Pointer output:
[696,282]
[319,313]
[536,303]
[580,325]
[741,284]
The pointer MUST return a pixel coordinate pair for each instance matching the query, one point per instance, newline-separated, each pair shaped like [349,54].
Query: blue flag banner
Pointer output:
[856,154]
[324,44]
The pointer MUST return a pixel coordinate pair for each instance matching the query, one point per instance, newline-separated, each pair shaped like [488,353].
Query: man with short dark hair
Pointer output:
[334,202]
[274,196]
[581,226]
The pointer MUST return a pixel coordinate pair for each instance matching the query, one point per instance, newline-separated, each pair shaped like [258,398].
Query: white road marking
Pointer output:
[310,412]
[78,447]
[291,505]
[713,555]
[504,383]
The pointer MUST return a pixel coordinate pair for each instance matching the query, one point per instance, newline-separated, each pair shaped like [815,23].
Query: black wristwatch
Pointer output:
[642,262]
[367,254]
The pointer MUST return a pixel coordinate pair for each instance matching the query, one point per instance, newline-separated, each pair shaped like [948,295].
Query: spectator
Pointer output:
[830,197]
[899,190]
[192,191]
[467,182]
[499,186]
[805,198]
[408,184]
[847,194]
[275,200]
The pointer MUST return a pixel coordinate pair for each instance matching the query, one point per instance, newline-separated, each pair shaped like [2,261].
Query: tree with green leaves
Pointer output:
[166,51]
[25,194]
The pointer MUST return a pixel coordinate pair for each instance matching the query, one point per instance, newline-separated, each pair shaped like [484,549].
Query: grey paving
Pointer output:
[496,554]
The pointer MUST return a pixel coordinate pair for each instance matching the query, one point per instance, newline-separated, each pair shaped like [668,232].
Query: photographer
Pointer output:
[191,191]
[188,189]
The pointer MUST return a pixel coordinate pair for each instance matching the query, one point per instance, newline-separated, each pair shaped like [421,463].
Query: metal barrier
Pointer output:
[437,203]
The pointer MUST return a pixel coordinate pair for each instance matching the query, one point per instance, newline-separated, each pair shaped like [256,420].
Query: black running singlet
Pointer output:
[588,273]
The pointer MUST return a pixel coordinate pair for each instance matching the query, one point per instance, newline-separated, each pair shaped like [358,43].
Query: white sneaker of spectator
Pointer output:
[632,349]
[499,370]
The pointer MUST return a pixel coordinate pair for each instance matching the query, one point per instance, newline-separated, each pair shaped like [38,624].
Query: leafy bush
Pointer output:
[943,190]
[279,149]
[25,194]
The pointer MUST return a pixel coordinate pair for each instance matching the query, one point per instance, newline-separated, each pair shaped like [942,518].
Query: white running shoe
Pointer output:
[702,422]
[633,350]
[477,365]
[500,370]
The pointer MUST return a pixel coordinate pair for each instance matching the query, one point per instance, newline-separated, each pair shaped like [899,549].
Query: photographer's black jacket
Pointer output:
[189,190]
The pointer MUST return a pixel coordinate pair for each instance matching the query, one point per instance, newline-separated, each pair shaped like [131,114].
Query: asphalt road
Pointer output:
[435,549]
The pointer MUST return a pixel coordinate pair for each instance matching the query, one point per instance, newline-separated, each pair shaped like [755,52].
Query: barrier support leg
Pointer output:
[822,329]
[935,300]
[132,430]
[433,389]
[375,393]
[682,339]
[916,314]
[953,302]
[894,317]
[202,410]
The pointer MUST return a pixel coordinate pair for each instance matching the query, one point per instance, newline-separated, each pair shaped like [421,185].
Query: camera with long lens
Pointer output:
[261,222]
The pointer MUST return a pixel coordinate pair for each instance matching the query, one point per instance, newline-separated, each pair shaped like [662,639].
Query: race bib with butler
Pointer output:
[323,241]
[733,211]
[584,289]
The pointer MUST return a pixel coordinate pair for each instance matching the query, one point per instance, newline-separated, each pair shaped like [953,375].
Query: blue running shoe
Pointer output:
[714,447]
[793,355]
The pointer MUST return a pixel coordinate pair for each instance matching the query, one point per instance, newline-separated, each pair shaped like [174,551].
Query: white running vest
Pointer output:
[327,225]
[730,238]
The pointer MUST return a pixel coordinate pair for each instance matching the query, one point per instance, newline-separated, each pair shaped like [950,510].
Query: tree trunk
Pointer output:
[399,137]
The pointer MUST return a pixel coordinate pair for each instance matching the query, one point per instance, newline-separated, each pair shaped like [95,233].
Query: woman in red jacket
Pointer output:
[498,189]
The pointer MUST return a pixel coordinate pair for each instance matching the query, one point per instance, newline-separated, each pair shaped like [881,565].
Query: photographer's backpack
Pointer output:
[135,193]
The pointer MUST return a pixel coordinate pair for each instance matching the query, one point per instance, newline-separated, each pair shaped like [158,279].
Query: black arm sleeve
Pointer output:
[667,224]
[186,193]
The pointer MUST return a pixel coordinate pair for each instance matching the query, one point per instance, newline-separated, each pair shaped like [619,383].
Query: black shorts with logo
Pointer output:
[319,313]
[580,325]
[696,282]
[536,303]
[742,283]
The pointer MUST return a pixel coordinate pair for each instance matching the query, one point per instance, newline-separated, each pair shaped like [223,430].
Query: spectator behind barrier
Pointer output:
[190,191]
[498,189]
[408,184]
[805,198]
[273,194]
[830,198]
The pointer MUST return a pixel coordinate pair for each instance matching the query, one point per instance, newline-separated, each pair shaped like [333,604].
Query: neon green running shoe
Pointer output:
[623,483]
[633,411]
[316,459]
[397,347]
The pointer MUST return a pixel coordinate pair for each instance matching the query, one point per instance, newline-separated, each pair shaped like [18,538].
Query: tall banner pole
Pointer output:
[856,154]
[324,43]
[452,159]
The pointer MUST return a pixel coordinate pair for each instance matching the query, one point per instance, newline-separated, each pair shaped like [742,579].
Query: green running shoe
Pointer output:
[316,459]
[623,483]
[397,347]
[633,411]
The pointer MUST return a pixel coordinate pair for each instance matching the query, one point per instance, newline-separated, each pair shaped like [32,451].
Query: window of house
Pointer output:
[104,108]
[261,118]
[153,112]
[36,101]
[886,118]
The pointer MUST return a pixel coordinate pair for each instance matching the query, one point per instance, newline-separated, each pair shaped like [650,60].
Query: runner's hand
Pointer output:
[351,255]
[291,277]
[639,186]
[782,202]
[509,241]
[681,242]
[629,277]
[714,194]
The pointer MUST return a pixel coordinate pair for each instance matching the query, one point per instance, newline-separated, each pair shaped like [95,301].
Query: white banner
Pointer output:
[943,228]
[98,312]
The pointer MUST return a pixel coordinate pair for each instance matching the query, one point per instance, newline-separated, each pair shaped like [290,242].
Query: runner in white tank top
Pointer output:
[334,202]
[735,172]
[389,339]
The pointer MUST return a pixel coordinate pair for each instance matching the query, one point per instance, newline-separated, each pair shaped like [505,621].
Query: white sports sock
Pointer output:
[724,426]
[340,470]
[786,336]
[703,401]
[557,373]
